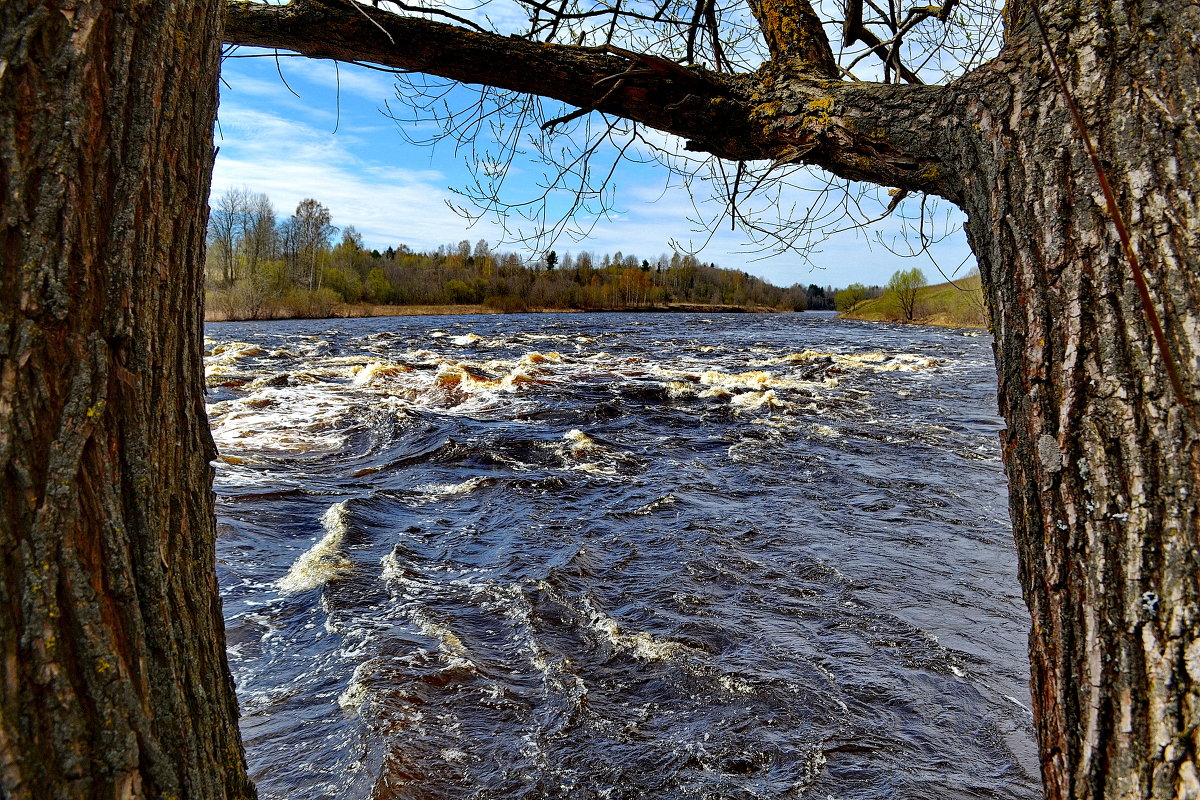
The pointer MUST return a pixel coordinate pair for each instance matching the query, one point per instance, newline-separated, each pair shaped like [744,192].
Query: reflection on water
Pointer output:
[618,556]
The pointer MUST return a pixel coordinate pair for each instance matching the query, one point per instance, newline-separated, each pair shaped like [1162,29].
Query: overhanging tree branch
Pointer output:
[785,112]
[679,100]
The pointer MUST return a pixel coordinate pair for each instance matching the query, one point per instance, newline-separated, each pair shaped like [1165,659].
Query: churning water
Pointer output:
[618,556]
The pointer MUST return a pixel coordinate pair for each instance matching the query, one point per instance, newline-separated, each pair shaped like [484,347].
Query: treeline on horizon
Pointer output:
[261,267]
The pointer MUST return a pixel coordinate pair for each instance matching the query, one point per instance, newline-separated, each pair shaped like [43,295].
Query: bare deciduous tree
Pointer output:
[258,236]
[226,223]
[311,227]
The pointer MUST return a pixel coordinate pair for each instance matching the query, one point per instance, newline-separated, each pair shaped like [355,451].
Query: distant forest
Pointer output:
[260,267]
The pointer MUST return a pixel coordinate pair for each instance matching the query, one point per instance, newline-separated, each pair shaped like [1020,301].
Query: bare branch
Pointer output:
[794,32]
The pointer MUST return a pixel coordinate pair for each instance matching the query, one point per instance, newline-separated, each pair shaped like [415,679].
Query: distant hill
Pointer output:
[957,305]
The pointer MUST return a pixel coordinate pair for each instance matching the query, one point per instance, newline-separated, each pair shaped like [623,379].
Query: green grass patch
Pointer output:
[957,305]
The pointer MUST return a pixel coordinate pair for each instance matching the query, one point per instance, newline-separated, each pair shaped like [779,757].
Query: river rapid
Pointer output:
[618,556]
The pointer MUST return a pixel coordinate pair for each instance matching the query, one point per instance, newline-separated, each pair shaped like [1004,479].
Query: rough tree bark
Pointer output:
[1102,452]
[113,673]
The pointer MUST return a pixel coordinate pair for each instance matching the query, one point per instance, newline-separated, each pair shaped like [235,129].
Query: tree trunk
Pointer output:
[1102,454]
[112,660]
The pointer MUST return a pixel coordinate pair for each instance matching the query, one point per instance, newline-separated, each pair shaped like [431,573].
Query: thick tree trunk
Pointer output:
[112,663]
[1103,456]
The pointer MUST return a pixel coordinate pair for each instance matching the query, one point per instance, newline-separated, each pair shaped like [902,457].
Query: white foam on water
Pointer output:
[595,469]
[640,644]
[872,361]
[1016,702]
[579,451]
[745,451]
[377,371]
[826,431]
[753,401]
[449,645]
[655,505]
[356,692]
[324,561]
[395,573]
[286,420]
[518,377]
[735,685]
[232,351]
[679,389]
[580,441]
[536,357]
[438,491]
[682,382]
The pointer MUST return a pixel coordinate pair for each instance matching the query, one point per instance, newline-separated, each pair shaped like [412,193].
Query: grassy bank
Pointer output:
[956,305]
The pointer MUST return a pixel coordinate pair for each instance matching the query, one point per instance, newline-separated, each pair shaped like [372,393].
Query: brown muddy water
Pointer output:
[618,556]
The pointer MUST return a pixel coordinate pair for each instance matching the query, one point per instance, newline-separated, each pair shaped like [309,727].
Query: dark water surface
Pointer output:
[618,556]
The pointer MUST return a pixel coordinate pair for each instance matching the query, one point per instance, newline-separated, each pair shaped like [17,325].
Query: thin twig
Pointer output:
[337,98]
[363,11]
[737,182]
[279,69]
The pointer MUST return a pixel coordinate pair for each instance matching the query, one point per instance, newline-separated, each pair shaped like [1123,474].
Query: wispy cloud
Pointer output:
[289,161]
[373,87]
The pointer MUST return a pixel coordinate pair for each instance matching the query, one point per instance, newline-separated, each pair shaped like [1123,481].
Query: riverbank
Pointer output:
[355,310]
[361,310]
[957,304]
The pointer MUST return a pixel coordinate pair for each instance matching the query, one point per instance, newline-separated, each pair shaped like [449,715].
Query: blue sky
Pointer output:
[340,148]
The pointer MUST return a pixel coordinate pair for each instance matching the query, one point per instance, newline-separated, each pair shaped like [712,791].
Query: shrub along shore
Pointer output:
[957,304]
[357,310]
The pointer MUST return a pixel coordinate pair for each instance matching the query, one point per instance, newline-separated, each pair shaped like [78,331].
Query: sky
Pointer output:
[293,128]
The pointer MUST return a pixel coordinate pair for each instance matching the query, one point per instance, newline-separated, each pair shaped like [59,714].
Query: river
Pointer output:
[618,556]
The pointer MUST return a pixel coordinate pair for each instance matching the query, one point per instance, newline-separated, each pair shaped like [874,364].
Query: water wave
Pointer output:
[618,556]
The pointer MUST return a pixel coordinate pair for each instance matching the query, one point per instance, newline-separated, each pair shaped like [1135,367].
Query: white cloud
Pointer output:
[289,161]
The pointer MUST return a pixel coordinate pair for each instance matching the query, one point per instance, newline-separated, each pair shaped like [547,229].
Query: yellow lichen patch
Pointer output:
[819,110]
[770,109]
